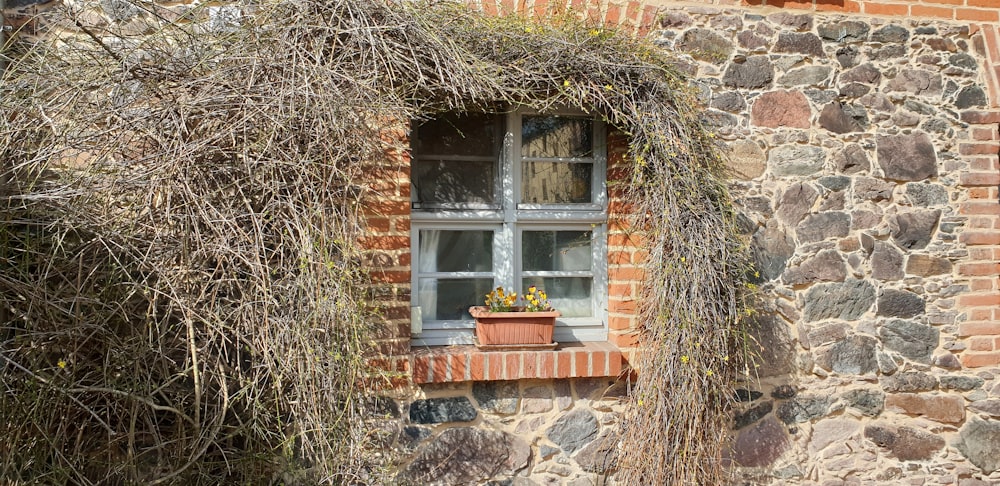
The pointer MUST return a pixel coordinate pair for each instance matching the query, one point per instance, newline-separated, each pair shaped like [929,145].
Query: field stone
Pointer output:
[906,157]
[825,266]
[923,194]
[832,431]
[979,442]
[795,203]
[854,355]
[806,76]
[909,381]
[969,97]
[899,303]
[911,339]
[906,443]
[914,230]
[573,430]
[755,72]
[466,455]
[752,415]
[869,402]
[746,159]
[891,34]
[960,383]
[772,247]
[601,454]
[851,160]
[865,73]
[705,45]
[847,300]
[803,409]
[820,226]
[781,109]
[887,261]
[441,410]
[760,445]
[803,43]
[847,56]
[916,82]
[500,397]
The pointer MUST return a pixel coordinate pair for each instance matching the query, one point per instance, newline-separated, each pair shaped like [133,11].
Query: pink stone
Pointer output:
[781,109]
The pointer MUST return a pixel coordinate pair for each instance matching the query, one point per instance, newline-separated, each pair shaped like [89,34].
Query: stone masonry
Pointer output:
[851,144]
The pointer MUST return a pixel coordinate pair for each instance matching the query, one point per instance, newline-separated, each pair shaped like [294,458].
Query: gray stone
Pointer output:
[847,56]
[854,90]
[979,442]
[947,361]
[730,101]
[913,230]
[891,34]
[705,45]
[907,157]
[744,395]
[413,435]
[825,333]
[772,247]
[807,76]
[989,407]
[783,392]
[909,381]
[926,194]
[496,396]
[600,455]
[547,451]
[865,73]
[852,159]
[803,43]
[803,409]
[831,431]
[854,355]
[794,21]
[752,415]
[796,160]
[589,387]
[869,402]
[775,346]
[835,183]
[746,159]
[969,97]
[887,262]
[927,266]
[820,226]
[960,383]
[843,300]
[839,118]
[917,82]
[751,41]
[727,22]
[795,203]
[781,109]
[872,189]
[675,20]
[888,52]
[116,9]
[844,31]
[465,455]
[760,445]
[825,266]
[755,72]
[878,102]
[911,339]
[886,364]
[906,443]
[899,303]
[573,430]
[440,410]
[963,61]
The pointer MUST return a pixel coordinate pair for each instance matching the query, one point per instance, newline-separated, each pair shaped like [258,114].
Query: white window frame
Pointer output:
[508,222]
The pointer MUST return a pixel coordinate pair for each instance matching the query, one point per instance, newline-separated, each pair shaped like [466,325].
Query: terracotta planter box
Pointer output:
[504,328]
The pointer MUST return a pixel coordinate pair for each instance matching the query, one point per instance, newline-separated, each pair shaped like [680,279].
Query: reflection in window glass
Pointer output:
[556,136]
[456,251]
[556,250]
[450,299]
[459,134]
[439,181]
[556,182]
[571,296]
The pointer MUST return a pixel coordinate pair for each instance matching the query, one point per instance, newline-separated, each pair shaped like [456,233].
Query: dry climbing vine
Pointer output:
[182,293]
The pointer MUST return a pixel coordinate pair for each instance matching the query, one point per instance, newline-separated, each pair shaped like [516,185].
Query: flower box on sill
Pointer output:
[515,328]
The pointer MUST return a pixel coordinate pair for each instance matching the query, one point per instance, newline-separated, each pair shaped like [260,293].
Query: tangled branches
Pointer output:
[182,294]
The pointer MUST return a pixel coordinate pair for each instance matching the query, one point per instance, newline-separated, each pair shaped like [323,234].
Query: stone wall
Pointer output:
[852,140]
[523,432]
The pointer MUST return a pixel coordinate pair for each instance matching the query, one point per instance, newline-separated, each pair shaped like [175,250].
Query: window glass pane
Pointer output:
[459,134]
[450,299]
[556,182]
[456,251]
[568,295]
[556,136]
[556,250]
[440,181]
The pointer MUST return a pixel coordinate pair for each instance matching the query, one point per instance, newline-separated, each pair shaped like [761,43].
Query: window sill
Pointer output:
[443,364]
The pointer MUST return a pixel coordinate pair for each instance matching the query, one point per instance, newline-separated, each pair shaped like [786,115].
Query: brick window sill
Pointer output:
[442,364]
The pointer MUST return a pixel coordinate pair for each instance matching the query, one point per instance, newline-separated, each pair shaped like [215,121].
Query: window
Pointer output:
[509,200]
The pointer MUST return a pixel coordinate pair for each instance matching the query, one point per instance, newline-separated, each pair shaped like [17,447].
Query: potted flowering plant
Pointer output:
[501,322]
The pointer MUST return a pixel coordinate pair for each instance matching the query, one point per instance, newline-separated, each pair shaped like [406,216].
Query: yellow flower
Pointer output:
[684,359]
[709,373]
[566,83]
[608,87]
[683,259]
[62,364]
